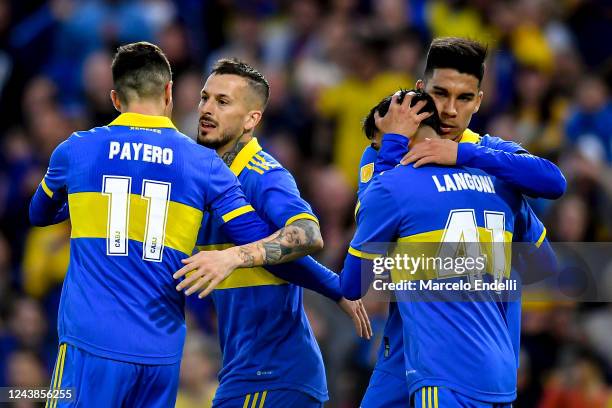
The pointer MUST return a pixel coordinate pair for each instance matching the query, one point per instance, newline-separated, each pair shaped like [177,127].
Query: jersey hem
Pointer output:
[124,357]
[237,390]
[470,393]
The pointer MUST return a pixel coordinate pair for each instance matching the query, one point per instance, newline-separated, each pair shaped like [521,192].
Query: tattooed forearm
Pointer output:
[296,240]
[247,258]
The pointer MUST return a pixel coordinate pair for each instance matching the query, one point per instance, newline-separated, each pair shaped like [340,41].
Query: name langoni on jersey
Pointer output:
[464,181]
[140,151]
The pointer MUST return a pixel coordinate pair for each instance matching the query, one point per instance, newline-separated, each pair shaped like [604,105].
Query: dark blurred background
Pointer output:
[547,87]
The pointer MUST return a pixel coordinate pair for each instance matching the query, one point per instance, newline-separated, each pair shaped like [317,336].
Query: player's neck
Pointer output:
[146,108]
[229,151]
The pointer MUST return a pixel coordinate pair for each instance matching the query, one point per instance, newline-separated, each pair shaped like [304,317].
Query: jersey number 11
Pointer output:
[157,195]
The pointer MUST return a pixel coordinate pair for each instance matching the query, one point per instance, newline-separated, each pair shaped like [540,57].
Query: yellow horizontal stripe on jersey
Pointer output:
[362,255]
[541,239]
[89,217]
[139,120]
[244,277]
[46,188]
[426,246]
[237,212]
[302,216]
[436,236]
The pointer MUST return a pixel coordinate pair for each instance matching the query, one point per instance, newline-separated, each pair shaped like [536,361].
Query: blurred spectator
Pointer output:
[589,124]
[243,40]
[97,80]
[198,373]
[347,103]
[186,97]
[580,384]
[45,259]
[24,369]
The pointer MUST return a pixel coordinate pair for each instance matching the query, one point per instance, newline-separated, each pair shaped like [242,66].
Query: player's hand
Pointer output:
[438,151]
[205,270]
[401,118]
[356,311]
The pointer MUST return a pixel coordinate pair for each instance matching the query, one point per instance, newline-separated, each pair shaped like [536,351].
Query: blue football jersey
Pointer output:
[137,190]
[265,336]
[447,343]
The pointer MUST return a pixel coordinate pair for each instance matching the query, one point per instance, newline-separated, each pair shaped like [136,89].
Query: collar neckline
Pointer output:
[245,155]
[469,136]
[144,121]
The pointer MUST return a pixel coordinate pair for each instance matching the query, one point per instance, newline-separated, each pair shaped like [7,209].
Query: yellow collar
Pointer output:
[244,156]
[469,137]
[144,121]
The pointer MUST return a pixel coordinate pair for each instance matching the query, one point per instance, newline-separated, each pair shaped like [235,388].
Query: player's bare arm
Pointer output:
[209,268]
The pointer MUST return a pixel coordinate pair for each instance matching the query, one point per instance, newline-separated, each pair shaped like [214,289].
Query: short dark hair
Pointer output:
[234,66]
[140,70]
[369,125]
[465,55]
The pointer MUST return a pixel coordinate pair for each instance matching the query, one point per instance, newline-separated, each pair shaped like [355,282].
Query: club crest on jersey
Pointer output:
[366,172]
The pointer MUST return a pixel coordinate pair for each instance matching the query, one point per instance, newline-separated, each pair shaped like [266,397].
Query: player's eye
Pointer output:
[223,102]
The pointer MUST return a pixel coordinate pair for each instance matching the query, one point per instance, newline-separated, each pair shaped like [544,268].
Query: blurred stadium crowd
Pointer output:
[547,87]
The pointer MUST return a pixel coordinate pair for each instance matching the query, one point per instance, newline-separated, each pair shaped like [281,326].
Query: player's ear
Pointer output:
[168,93]
[168,99]
[115,99]
[420,85]
[478,101]
[252,120]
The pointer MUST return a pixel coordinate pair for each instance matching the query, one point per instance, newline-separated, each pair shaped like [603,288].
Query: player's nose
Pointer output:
[450,109]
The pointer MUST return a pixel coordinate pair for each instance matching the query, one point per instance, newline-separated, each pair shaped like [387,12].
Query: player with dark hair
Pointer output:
[137,191]
[441,349]
[270,355]
[529,174]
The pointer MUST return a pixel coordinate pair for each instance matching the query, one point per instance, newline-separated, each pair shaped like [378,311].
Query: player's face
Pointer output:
[223,110]
[457,97]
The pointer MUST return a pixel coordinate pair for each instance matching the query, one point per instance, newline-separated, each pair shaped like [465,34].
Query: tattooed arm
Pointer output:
[209,268]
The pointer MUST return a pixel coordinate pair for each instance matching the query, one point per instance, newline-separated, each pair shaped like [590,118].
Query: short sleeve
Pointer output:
[378,221]
[224,196]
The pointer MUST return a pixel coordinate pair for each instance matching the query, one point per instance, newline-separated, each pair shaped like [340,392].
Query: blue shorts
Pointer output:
[101,382]
[270,399]
[386,391]
[435,397]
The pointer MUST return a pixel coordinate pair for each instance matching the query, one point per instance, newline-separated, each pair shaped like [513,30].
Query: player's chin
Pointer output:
[450,133]
[208,139]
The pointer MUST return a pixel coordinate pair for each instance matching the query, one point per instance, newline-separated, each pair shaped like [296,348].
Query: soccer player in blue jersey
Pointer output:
[532,175]
[270,355]
[444,347]
[136,192]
